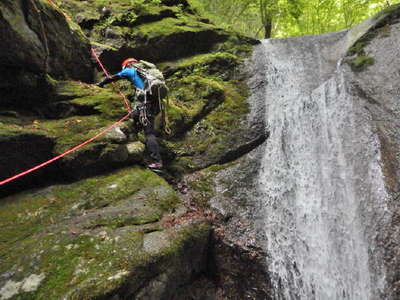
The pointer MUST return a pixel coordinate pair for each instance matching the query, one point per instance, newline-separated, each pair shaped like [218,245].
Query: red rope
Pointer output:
[128,107]
[84,143]
[63,154]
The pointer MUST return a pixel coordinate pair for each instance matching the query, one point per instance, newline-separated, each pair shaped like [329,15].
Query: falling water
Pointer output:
[321,177]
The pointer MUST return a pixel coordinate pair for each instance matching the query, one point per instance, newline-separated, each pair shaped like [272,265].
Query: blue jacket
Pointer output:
[132,75]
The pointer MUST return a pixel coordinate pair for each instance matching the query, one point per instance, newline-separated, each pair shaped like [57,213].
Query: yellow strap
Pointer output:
[167,129]
[164,113]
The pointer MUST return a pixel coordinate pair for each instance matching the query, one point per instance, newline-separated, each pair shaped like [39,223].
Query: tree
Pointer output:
[283,18]
[267,12]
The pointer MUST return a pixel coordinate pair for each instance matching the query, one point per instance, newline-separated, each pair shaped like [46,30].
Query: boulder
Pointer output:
[37,39]
[100,239]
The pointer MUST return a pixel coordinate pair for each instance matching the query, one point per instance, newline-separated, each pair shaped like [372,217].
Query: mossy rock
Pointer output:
[194,98]
[360,63]
[22,148]
[143,29]
[77,98]
[37,140]
[199,85]
[357,57]
[64,248]
[23,30]
[221,136]
[219,65]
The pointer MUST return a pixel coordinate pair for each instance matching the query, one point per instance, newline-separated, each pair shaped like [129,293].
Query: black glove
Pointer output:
[108,80]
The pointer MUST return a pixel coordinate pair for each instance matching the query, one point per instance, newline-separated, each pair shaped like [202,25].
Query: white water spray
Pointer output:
[321,178]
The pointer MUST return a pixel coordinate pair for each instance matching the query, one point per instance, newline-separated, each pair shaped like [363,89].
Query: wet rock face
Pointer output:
[238,257]
[37,39]
[377,86]
[353,110]
[237,261]
[367,96]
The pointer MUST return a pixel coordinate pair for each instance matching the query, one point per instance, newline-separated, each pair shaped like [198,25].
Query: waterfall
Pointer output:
[321,179]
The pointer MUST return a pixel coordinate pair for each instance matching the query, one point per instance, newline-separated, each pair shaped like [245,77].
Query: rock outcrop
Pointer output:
[365,59]
[117,236]
[97,225]
[37,40]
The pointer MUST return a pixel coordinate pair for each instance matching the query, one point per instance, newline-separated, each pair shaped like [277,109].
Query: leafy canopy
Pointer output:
[284,18]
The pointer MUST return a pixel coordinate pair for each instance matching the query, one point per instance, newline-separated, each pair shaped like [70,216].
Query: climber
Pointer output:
[146,105]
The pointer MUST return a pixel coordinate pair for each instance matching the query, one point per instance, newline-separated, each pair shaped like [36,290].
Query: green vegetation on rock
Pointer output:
[360,63]
[71,236]
[358,59]
[89,238]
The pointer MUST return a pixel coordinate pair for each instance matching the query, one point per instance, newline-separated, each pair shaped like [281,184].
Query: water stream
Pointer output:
[322,184]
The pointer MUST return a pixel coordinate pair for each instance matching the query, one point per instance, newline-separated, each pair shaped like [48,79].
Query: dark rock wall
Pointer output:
[37,40]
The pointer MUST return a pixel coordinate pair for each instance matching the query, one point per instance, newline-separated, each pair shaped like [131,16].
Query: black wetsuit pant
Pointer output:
[147,125]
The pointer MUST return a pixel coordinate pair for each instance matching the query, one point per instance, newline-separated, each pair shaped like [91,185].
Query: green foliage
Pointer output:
[288,17]
[359,63]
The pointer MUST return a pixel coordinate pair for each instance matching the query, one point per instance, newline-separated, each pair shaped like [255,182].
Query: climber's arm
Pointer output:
[109,80]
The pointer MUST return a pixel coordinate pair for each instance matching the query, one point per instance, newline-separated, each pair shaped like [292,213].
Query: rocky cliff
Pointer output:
[317,204]
[96,224]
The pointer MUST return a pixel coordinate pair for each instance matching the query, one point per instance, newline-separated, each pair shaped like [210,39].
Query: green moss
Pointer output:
[33,211]
[209,138]
[175,114]
[360,63]
[203,188]
[87,266]
[97,191]
[107,102]
[83,265]
[124,220]
[217,167]
[191,99]
[66,90]
[12,128]
[203,60]
[189,237]
[217,66]
[168,26]
[103,46]
[48,8]
[82,262]
[124,19]
[211,105]
[238,45]
[73,131]
[163,202]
